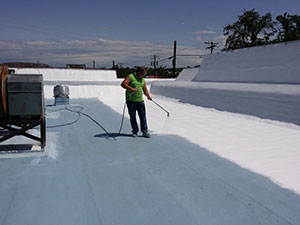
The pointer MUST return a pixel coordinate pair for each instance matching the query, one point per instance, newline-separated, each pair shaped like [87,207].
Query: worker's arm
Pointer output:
[125,85]
[146,92]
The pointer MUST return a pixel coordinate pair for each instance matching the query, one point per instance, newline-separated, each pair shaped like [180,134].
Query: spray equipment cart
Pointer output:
[25,107]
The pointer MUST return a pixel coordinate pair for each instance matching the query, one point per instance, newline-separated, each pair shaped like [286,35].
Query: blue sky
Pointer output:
[58,32]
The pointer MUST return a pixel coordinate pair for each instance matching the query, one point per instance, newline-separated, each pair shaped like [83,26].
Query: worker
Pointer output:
[135,86]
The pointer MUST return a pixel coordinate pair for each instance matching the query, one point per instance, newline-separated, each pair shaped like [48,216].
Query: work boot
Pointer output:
[146,134]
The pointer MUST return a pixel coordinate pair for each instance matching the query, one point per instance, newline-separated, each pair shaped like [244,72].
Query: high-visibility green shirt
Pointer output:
[135,82]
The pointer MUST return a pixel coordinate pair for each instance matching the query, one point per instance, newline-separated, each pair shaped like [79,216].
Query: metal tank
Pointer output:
[25,107]
[25,96]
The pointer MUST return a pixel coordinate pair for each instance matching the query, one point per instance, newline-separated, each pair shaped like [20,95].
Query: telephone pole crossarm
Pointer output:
[212,46]
[154,63]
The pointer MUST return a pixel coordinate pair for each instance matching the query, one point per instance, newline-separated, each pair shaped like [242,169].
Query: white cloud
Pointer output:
[62,52]
[198,38]
[221,40]
[205,32]
[202,35]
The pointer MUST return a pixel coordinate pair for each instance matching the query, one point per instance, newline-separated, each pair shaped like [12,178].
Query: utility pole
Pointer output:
[94,63]
[113,64]
[212,46]
[174,59]
[154,63]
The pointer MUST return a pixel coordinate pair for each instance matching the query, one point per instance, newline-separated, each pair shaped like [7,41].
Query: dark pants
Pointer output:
[141,109]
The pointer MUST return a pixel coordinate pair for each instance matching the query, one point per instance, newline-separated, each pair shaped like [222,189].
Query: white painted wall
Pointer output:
[187,74]
[54,74]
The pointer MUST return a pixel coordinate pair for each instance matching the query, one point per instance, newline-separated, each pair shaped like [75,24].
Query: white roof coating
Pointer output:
[55,74]
[277,63]
[200,166]
[187,74]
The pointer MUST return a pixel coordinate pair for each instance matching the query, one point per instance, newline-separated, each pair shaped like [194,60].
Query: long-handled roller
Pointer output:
[168,114]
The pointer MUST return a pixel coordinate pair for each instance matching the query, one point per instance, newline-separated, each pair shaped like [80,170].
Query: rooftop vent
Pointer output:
[61,94]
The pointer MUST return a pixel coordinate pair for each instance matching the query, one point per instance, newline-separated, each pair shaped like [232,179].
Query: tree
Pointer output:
[289,27]
[251,29]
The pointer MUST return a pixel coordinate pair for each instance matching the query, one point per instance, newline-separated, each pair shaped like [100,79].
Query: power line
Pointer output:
[168,58]
[200,56]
